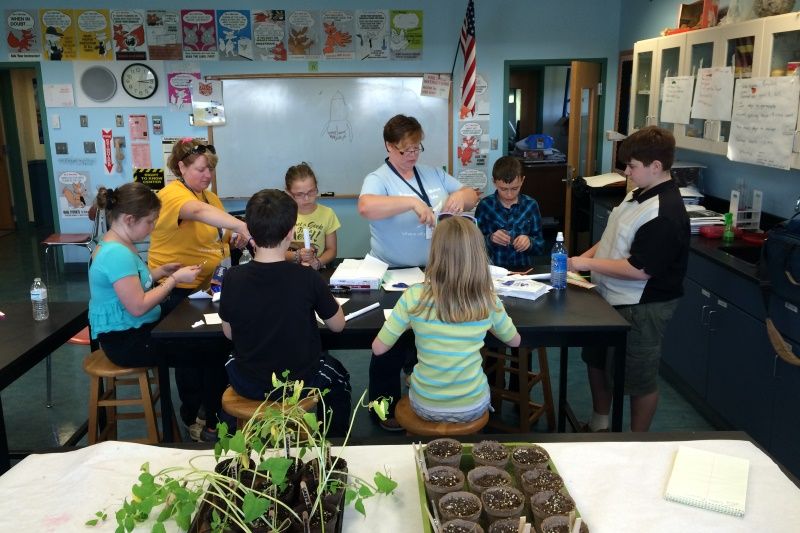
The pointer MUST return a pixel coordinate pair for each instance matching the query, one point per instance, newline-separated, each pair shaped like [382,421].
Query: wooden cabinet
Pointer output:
[547,184]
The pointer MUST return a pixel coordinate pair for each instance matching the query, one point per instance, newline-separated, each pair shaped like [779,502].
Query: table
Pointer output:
[26,342]
[573,317]
[617,481]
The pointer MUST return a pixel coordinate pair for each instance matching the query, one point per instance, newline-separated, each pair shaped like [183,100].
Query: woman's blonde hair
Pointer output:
[182,151]
[457,279]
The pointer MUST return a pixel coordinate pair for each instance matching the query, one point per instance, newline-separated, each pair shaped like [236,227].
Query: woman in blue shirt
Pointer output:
[124,303]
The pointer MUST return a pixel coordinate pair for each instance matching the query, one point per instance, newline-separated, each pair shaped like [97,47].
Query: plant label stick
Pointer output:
[306,495]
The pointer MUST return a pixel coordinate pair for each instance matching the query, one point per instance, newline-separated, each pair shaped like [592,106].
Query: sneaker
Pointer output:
[208,435]
[390,424]
[201,416]
[195,431]
[584,428]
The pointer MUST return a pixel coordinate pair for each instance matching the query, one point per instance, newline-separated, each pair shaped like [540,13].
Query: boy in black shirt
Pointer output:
[267,308]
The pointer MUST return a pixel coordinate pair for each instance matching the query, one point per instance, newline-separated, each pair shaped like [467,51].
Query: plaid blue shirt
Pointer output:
[522,218]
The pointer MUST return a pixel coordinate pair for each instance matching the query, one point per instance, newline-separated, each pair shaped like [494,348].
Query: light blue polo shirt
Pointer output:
[400,240]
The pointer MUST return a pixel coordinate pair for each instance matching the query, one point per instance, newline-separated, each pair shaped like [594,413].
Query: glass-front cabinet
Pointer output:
[654,60]
[699,54]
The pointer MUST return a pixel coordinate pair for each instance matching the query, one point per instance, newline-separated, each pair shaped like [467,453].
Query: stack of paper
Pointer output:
[700,216]
[520,287]
[364,273]
[604,179]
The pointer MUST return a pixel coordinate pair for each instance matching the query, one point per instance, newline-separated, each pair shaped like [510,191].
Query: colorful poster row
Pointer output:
[208,34]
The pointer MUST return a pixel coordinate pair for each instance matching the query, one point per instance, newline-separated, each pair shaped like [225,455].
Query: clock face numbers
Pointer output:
[139,81]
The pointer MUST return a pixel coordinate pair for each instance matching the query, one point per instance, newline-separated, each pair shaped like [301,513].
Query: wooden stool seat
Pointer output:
[105,378]
[529,411]
[243,409]
[414,425]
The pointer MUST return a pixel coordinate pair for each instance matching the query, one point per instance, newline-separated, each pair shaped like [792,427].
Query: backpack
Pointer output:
[780,270]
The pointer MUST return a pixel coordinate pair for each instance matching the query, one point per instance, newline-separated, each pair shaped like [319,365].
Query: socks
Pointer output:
[598,422]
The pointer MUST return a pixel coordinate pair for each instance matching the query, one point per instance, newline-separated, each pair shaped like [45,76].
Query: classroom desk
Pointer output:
[26,342]
[617,481]
[575,317]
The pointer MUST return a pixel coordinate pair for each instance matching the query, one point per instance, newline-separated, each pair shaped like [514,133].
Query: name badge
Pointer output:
[428,232]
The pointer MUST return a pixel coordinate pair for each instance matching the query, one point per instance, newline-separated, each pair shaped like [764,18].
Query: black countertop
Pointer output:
[710,249]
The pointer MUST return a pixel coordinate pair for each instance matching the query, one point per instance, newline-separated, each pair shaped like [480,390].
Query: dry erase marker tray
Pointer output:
[467,464]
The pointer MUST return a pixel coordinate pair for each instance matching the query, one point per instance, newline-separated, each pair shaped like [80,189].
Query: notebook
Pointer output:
[709,480]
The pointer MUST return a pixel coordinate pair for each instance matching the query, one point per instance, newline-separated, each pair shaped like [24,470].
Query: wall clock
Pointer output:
[139,81]
[98,84]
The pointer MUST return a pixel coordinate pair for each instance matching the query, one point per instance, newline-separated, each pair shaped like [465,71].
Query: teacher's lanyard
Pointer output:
[421,192]
[205,201]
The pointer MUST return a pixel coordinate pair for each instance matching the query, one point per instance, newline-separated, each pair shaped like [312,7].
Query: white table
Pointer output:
[618,486]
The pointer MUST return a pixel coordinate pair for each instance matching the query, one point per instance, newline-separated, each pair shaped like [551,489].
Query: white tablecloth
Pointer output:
[618,486]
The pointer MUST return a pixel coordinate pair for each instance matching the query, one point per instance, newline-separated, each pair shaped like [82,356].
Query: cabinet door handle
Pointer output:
[711,320]
[704,316]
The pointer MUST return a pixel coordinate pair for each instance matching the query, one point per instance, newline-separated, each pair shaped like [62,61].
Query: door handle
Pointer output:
[711,320]
[703,316]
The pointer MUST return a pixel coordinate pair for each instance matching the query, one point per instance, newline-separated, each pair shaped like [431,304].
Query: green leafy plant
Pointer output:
[257,466]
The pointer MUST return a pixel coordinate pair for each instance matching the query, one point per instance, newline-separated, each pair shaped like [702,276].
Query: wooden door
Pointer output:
[6,210]
[582,136]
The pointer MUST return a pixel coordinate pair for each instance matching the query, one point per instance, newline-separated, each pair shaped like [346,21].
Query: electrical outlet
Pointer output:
[55,122]
[62,149]
[493,144]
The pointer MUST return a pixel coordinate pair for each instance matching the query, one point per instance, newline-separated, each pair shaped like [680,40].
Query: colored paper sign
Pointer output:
[59,34]
[108,162]
[94,35]
[235,34]
[269,34]
[24,37]
[199,32]
[179,90]
[128,34]
[406,38]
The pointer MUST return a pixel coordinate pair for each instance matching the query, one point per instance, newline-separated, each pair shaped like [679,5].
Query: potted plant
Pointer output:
[274,474]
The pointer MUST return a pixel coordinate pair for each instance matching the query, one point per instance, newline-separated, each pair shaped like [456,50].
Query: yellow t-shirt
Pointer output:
[187,242]
[320,222]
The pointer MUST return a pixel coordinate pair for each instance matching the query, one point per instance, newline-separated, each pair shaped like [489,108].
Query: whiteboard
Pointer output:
[335,124]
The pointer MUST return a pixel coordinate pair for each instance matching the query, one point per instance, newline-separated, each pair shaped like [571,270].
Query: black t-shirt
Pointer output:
[270,307]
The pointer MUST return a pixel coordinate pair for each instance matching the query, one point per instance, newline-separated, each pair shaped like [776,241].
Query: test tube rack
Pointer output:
[748,217]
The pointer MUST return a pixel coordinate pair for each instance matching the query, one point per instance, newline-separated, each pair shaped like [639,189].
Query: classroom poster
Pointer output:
[59,34]
[676,100]
[372,34]
[162,35]
[24,35]
[207,104]
[764,120]
[137,127]
[406,37]
[74,200]
[152,177]
[128,33]
[235,34]
[338,28]
[269,34]
[94,35]
[199,31]
[473,151]
[304,35]
[179,91]
[713,94]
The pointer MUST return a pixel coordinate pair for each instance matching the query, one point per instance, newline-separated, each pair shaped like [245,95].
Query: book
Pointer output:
[709,480]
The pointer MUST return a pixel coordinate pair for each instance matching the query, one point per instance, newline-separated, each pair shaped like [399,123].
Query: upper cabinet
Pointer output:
[653,60]
[756,48]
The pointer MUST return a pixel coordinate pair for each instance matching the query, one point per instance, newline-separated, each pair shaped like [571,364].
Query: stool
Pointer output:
[81,339]
[243,409]
[529,412]
[414,425]
[83,240]
[105,377]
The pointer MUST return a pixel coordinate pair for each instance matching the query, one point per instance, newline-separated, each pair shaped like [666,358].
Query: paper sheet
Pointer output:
[402,278]
[604,179]
[200,295]
[212,318]
[387,313]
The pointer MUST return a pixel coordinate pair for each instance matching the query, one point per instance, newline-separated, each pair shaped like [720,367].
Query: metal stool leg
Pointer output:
[49,372]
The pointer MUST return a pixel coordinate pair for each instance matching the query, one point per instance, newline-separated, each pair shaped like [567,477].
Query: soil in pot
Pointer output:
[490,453]
[483,477]
[461,526]
[502,502]
[549,503]
[529,457]
[443,479]
[537,480]
[506,525]
[560,524]
[330,515]
[460,504]
[443,452]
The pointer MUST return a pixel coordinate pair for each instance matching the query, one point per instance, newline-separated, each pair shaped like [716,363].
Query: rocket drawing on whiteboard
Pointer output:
[338,127]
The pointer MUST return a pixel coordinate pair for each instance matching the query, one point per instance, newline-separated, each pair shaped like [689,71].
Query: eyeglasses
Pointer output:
[200,149]
[445,215]
[305,195]
[509,189]
[411,151]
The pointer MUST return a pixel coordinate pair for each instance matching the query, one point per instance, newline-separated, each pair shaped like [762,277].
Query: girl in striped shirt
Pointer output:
[450,314]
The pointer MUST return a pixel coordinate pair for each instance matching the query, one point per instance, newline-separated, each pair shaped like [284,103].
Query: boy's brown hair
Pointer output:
[647,145]
[506,169]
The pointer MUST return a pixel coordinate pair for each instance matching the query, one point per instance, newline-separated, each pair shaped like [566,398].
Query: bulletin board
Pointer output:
[333,122]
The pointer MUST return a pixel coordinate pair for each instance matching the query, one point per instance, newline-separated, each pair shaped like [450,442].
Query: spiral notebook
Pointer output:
[709,480]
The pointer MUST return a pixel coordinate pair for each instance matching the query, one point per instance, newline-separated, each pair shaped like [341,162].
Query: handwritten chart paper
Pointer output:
[676,103]
[764,120]
[713,94]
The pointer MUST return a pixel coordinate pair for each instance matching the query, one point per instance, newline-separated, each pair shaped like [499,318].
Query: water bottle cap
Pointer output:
[560,236]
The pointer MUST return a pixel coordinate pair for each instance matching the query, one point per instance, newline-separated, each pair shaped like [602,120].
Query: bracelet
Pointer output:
[297,257]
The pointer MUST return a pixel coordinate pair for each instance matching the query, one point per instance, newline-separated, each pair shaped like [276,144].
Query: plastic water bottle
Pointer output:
[39,300]
[558,264]
[246,257]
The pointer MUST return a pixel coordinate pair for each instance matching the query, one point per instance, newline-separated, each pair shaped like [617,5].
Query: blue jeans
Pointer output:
[332,375]
[467,414]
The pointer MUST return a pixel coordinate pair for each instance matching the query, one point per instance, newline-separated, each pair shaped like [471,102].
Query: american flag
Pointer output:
[470,68]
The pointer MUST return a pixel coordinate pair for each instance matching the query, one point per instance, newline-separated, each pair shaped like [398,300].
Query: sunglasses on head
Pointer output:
[200,149]
[445,215]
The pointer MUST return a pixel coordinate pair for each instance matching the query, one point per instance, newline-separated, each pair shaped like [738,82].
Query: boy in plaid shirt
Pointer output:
[510,222]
